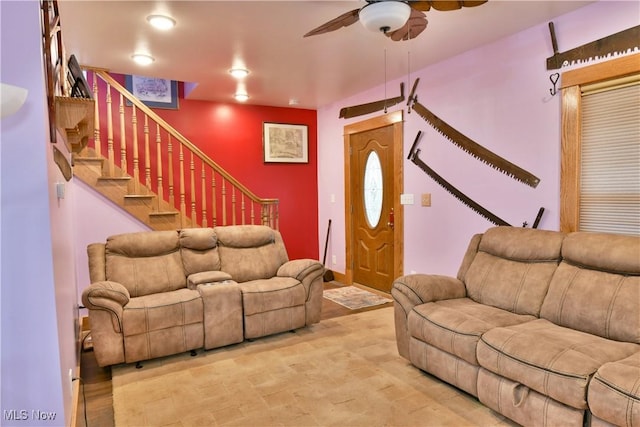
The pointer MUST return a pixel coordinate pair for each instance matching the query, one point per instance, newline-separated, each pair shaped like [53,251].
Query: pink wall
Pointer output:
[499,96]
[38,287]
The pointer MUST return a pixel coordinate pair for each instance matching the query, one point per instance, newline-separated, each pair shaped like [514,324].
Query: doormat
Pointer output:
[354,298]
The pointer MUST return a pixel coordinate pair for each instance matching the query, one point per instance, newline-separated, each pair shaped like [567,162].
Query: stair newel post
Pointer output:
[136,159]
[160,191]
[203,185]
[110,152]
[233,205]
[123,138]
[170,166]
[147,156]
[224,201]
[192,193]
[96,122]
[214,210]
[183,207]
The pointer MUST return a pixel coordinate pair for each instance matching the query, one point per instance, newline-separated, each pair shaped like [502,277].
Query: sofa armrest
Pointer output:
[309,272]
[108,296]
[300,269]
[415,289]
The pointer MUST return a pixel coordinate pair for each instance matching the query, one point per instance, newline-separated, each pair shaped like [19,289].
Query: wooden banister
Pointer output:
[177,135]
[223,189]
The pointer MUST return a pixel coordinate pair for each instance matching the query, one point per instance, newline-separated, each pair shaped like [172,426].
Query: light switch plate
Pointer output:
[426,199]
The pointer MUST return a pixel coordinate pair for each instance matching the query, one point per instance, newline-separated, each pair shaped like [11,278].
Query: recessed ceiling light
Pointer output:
[143,59]
[239,73]
[161,22]
[241,97]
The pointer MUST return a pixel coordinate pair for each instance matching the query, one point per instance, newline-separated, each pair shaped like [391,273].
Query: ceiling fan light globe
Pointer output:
[384,16]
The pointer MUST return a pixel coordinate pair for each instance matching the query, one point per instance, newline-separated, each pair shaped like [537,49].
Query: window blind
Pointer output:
[610,163]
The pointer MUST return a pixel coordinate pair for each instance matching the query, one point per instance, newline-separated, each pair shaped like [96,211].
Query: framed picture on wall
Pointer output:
[153,92]
[285,143]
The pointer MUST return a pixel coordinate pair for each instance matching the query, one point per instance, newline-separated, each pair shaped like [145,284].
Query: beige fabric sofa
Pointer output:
[540,326]
[158,293]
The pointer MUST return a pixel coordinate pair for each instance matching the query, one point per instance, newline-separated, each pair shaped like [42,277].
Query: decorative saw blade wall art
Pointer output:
[414,157]
[456,137]
[371,107]
[615,44]
[473,148]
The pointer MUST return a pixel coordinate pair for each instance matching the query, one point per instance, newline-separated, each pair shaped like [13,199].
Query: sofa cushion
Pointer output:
[614,392]
[145,263]
[161,311]
[199,249]
[596,288]
[513,268]
[250,252]
[259,296]
[555,361]
[456,325]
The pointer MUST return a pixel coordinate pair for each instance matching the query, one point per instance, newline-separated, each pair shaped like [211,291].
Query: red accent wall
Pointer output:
[231,135]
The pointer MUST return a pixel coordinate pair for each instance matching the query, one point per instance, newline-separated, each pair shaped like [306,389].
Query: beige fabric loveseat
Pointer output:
[158,293]
[542,327]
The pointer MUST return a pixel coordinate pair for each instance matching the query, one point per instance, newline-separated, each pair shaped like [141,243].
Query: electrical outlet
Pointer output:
[334,260]
[426,199]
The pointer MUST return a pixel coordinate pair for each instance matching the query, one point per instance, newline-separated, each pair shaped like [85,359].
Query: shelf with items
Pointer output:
[75,120]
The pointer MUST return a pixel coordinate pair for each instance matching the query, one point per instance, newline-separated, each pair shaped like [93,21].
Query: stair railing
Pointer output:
[222,200]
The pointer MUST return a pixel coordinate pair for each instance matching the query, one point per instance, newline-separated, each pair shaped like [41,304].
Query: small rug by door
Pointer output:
[354,298]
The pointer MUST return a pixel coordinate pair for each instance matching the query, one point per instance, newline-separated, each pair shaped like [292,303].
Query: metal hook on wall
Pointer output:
[554,79]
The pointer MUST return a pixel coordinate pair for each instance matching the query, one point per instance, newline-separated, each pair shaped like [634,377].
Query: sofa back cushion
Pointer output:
[250,252]
[596,288]
[145,263]
[513,268]
[199,250]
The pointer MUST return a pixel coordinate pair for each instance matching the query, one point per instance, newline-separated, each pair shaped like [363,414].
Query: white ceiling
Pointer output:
[266,36]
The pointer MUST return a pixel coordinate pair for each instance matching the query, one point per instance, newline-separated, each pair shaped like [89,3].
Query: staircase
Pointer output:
[168,183]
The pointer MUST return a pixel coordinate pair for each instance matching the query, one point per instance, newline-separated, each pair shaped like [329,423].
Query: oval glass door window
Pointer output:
[373,189]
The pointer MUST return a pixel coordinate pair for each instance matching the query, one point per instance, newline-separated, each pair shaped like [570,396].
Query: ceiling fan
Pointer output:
[398,20]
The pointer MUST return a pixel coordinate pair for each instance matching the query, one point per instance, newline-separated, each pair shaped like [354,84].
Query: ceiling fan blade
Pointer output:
[343,20]
[444,5]
[420,5]
[473,3]
[415,25]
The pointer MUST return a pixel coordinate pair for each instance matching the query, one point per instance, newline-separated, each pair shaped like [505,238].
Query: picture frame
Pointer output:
[285,143]
[153,92]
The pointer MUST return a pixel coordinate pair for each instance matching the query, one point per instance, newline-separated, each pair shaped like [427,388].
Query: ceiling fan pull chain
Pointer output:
[409,77]
[385,80]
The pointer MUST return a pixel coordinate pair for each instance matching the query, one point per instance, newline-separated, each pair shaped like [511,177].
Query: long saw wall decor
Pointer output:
[414,156]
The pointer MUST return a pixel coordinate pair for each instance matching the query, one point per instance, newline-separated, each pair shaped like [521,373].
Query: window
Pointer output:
[600,172]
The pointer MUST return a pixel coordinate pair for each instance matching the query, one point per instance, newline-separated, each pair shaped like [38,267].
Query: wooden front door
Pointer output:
[373,206]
